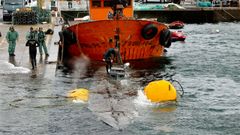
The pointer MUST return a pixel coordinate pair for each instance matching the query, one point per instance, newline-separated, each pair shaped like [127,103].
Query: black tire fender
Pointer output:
[149,31]
[49,31]
[165,38]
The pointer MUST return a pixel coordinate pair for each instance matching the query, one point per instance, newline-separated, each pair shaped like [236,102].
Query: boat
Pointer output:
[176,25]
[111,24]
[177,36]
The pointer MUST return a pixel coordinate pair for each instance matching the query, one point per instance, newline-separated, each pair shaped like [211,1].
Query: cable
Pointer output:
[182,90]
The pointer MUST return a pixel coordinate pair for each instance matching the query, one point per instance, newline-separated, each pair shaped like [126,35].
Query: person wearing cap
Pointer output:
[12,37]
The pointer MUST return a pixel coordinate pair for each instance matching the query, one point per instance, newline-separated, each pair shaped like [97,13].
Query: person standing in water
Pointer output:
[109,56]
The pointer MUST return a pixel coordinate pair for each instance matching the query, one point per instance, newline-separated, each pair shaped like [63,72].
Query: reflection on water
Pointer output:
[12,60]
[159,63]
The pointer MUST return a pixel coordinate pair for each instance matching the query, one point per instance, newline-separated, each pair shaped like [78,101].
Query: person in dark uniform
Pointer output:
[61,43]
[32,44]
[109,56]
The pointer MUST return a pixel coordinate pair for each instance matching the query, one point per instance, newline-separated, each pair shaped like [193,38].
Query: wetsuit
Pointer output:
[108,56]
[33,44]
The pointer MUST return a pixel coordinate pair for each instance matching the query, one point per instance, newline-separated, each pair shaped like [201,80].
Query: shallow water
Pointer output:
[207,65]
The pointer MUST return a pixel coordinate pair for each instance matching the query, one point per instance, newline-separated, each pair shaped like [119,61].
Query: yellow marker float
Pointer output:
[79,94]
[159,91]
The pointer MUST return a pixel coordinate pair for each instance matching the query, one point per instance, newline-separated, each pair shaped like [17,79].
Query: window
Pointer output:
[129,2]
[96,3]
[13,2]
[107,3]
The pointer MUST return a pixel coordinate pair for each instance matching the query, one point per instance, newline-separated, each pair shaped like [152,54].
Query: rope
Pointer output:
[118,40]
[79,46]
[181,91]
[78,42]
[229,14]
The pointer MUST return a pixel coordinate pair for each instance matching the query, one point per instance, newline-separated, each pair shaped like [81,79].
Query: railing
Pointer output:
[81,5]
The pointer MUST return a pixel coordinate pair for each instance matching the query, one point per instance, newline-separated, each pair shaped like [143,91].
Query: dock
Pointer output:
[191,13]
[22,51]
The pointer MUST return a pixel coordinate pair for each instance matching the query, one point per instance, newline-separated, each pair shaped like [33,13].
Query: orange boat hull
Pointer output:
[96,37]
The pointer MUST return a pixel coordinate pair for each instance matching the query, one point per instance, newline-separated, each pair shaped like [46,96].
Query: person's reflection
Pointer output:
[12,60]
[41,59]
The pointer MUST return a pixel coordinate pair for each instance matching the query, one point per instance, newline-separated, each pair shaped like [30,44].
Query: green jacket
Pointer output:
[31,36]
[41,36]
[12,36]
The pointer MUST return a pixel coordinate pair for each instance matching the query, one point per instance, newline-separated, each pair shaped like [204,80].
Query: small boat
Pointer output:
[177,36]
[176,25]
[112,25]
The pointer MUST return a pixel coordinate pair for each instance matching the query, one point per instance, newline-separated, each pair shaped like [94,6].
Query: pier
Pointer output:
[46,66]
[193,15]
[190,14]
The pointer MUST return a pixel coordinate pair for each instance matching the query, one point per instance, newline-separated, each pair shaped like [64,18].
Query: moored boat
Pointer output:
[176,25]
[112,25]
[177,36]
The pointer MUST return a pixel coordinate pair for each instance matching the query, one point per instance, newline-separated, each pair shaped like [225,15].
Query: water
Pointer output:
[207,65]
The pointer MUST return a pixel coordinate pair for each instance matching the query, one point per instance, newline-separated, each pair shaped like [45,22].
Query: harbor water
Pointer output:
[207,65]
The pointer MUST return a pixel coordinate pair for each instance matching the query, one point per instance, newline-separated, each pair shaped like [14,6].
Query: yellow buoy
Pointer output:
[79,94]
[158,91]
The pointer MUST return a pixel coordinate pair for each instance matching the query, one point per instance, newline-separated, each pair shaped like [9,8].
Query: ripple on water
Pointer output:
[8,69]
